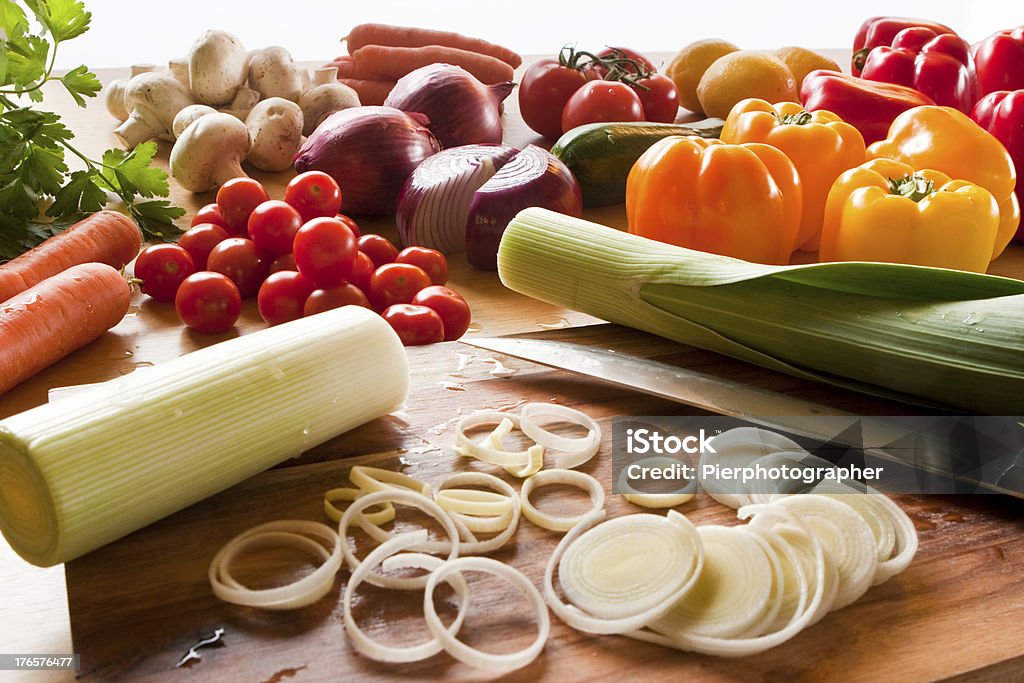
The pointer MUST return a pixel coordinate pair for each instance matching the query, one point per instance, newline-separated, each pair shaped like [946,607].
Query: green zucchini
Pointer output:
[601,154]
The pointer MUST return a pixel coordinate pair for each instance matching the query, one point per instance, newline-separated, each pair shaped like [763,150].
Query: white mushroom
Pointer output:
[273,73]
[187,115]
[209,152]
[216,67]
[113,94]
[154,100]
[325,97]
[179,69]
[245,99]
[275,128]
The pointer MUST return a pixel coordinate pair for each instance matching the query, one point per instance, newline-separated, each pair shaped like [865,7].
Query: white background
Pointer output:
[149,31]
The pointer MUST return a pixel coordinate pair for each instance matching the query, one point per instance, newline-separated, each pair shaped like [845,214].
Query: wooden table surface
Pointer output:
[33,606]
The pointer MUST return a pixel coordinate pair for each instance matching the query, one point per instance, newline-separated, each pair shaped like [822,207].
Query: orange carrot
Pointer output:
[370,91]
[400,36]
[104,237]
[63,313]
[348,68]
[394,62]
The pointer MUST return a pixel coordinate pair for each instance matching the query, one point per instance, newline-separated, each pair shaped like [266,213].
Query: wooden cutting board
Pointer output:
[137,605]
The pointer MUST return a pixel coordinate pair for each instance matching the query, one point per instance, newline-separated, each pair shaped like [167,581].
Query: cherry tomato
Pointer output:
[325,251]
[314,194]
[599,71]
[236,199]
[272,226]
[200,240]
[396,283]
[378,248]
[352,225]
[431,261]
[362,269]
[600,101]
[210,214]
[325,299]
[415,325]
[660,100]
[283,296]
[283,262]
[240,260]
[545,88]
[162,268]
[208,302]
[448,304]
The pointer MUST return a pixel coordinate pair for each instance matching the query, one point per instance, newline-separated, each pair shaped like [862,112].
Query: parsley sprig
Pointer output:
[34,142]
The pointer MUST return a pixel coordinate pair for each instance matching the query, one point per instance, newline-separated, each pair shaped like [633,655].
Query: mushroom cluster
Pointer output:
[222,105]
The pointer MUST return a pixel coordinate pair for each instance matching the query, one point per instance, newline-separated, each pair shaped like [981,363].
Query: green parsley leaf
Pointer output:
[132,172]
[81,83]
[156,219]
[80,193]
[27,57]
[16,198]
[64,19]
[43,169]
[11,15]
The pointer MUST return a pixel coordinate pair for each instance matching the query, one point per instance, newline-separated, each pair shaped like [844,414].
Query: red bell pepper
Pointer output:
[881,31]
[999,60]
[869,106]
[936,64]
[1001,113]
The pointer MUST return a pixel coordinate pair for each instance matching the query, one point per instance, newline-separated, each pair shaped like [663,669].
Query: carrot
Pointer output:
[348,68]
[370,91]
[400,36]
[394,62]
[104,237]
[46,322]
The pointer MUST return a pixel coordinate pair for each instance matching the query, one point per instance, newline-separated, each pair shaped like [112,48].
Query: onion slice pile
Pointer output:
[504,524]
[572,478]
[737,448]
[486,450]
[385,514]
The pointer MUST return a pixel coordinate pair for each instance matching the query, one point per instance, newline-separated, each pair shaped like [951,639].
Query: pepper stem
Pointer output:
[801,118]
[915,186]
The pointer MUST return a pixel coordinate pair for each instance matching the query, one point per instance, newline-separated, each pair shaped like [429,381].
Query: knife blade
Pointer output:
[879,436]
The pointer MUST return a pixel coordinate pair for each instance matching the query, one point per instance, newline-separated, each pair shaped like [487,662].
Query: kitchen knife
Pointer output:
[995,469]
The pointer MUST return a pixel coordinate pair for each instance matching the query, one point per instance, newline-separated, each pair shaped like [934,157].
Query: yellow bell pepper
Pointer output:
[947,140]
[885,210]
[820,144]
[737,200]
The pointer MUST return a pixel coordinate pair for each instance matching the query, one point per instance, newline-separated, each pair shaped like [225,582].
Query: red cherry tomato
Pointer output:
[325,299]
[362,269]
[208,302]
[415,325]
[601,101]
[283,262]
[661,99]
[162,268]
[396,283]
[240,260]
[325,251]
[236,199]
[314,194]
[448,304]
[272,226]
[200,240]
[543,92]
[350,222]
[210,214]
[283,296]
[431,261]
[378,248]
[598,72]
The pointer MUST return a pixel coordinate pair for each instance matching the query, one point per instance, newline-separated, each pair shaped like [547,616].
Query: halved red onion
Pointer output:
[371,152]
[434,203]
[461,109]
[531,178]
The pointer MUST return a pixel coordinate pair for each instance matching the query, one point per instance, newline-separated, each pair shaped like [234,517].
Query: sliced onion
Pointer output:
[574,450]
[656,500]
[372,479]
[371,152]
[467,447]
[461,110]
[383,516]
[622,574]
[737,448]
[289,533]
[469,655]
[572,478]
[764,491]
[532,178]
[433,205]
[506,528]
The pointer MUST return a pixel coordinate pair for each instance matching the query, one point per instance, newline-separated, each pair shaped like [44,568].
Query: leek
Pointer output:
[90,468]
[905,332]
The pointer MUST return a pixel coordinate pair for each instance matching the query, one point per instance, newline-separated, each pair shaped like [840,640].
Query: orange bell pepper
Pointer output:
[743,200]
[820,144]
[947,140]
[885,210]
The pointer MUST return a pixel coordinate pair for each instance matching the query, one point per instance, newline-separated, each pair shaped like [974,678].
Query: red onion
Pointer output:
[434,203]
[531,178]
[371,152]
[461,109]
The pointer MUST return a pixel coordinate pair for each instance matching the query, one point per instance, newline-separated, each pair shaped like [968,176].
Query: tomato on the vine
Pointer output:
[314,194]
[431,261]
[236,199]
[448,304]
[208,302]
[415,325]
[283,295]
[162,268]
[598,70]
[272,227]
[545,88]
[325,299]
[325,251]
[660,100]
[602,101]
[396,283]
[240,260]
[200,240]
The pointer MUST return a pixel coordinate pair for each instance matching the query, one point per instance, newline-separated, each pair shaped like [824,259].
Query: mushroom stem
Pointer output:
[325,75]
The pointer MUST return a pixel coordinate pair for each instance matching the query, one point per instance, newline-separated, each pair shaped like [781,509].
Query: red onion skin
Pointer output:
[370,152]
[461,109]
[495,204]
